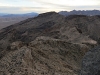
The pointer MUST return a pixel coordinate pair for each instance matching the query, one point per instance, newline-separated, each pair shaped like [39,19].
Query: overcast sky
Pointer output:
[40,6]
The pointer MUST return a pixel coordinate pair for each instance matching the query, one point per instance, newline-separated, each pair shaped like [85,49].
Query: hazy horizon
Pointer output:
[41,6]
[44,12]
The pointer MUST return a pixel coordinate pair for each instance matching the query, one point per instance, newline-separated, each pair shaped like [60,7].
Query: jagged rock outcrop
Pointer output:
[43,57]
[91,62]
[16,45]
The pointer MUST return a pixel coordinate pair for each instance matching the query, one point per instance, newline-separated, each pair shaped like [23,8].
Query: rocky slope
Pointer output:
[43,57]
[49,44]
[91,62]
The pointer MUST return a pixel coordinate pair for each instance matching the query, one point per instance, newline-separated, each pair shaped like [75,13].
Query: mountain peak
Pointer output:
[48,14]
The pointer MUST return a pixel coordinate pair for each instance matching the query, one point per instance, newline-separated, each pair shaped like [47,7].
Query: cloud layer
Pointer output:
[25,6]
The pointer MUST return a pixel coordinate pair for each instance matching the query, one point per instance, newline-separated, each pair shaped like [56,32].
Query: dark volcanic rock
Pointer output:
[91,62]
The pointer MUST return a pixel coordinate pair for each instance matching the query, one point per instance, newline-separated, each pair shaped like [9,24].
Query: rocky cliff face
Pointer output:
[49,44]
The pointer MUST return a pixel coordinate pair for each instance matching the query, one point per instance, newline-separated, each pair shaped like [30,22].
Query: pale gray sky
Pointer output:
[40,6]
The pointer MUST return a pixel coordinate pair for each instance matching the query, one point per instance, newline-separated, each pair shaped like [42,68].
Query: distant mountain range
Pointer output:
[9,19]
[13,15]
[1,14]
[80,12]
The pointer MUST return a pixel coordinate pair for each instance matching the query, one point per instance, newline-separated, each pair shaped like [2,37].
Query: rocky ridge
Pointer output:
[49,44]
